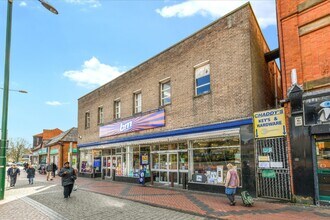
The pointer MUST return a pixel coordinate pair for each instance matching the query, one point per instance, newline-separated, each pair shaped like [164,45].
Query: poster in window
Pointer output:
[220,174]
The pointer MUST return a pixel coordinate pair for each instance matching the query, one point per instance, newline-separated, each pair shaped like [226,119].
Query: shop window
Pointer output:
[165,93]
[155,148]
[211,157]
[86,161]
[137,102]
[155,161]
[117,109]
[87,120]
[202,80]
[100,115]
[183,161]
[219,142]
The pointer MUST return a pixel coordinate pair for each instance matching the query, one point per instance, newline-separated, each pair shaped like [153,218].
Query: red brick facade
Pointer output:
[304,37]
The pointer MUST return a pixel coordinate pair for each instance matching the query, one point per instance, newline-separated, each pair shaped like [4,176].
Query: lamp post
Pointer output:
[3,144]
[15,90]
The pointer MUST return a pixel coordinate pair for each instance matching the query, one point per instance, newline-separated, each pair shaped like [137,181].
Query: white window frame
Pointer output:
[202,70]
[162,92]
[117,105]
[100,118]
[87,119]
[137,102]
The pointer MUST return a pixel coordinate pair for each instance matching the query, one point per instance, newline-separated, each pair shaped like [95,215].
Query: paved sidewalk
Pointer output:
[210,205]
[44,201]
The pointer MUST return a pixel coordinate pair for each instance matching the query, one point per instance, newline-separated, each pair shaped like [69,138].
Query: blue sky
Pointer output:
[59,58]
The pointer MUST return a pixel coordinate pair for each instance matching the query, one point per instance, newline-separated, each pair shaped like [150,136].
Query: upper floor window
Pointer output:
[137,102]
[117,109]
[87,120]
[100,115]
[202,80]
[165,93]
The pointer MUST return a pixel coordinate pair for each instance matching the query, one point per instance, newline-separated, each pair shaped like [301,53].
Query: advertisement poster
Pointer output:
[145,159]
[220,174]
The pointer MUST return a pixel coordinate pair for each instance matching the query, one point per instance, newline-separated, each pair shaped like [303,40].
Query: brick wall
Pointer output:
[231,52]
[307,52]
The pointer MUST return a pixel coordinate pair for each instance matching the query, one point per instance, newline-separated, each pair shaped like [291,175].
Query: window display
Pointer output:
[86,161]
[211,157]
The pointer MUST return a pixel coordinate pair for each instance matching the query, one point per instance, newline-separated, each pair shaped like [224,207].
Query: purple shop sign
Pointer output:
[149,121]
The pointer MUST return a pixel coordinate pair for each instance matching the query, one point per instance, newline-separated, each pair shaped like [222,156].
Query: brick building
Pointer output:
[304,39]
[63,148]
[186,112]
[39,151]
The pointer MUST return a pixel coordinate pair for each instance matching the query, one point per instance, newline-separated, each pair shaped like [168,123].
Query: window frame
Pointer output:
[87,119]
[100,115]
[117,114]
[137,108]
[162,83]
[205,65]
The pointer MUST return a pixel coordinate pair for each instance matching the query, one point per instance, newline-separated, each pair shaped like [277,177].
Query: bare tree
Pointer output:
[17,148]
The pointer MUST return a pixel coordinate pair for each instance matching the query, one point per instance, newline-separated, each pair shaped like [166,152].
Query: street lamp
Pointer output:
[15,90]
[5,94]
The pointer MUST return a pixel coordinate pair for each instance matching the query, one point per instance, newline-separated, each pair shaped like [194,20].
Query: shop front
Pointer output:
[43,155]
[53,156]
[194,156]
[317,116]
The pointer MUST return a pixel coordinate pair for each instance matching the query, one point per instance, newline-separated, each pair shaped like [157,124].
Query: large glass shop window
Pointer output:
[210,158]
[86,161]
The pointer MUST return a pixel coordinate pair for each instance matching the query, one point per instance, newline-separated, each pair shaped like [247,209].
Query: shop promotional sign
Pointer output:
[269,123]
[268,174]
[144,159]
[149,121]
[317,110]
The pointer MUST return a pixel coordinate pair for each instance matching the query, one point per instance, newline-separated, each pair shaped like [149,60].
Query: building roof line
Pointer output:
[181,41]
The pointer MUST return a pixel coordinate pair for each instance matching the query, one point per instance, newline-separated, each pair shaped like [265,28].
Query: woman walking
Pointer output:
[232,182]
[31,172]
[68,177]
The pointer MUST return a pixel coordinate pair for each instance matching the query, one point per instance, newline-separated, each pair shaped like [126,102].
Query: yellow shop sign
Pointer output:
[270,123]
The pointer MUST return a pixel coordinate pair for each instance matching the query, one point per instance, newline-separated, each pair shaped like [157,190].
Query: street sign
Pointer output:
[270,123]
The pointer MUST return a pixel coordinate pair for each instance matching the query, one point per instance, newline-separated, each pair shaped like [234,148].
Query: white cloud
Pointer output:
[264,9]
[22,4]
[55,103]
[93,73]
[91,3]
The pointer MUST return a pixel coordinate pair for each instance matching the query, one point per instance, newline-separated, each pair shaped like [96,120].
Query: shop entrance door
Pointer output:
[323,169]
[169,167]
[106,166]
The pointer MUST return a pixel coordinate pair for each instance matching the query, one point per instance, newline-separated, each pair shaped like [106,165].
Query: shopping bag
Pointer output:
[75,187]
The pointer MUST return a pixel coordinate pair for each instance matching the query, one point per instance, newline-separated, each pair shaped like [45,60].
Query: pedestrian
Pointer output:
[68,175]
[232,182]
[30,173]
[12,173]
[49,171]
[54,169]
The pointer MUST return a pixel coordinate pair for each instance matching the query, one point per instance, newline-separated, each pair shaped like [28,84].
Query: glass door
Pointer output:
[323,169]
[106,166]
[173,167]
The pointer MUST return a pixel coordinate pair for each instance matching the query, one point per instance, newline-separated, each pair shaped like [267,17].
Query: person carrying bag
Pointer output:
[68,178]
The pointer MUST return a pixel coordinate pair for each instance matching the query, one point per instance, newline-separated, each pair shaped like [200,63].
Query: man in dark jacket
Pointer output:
[49,170]
[30,173]
[54,169]
[68,177]
[12,173]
